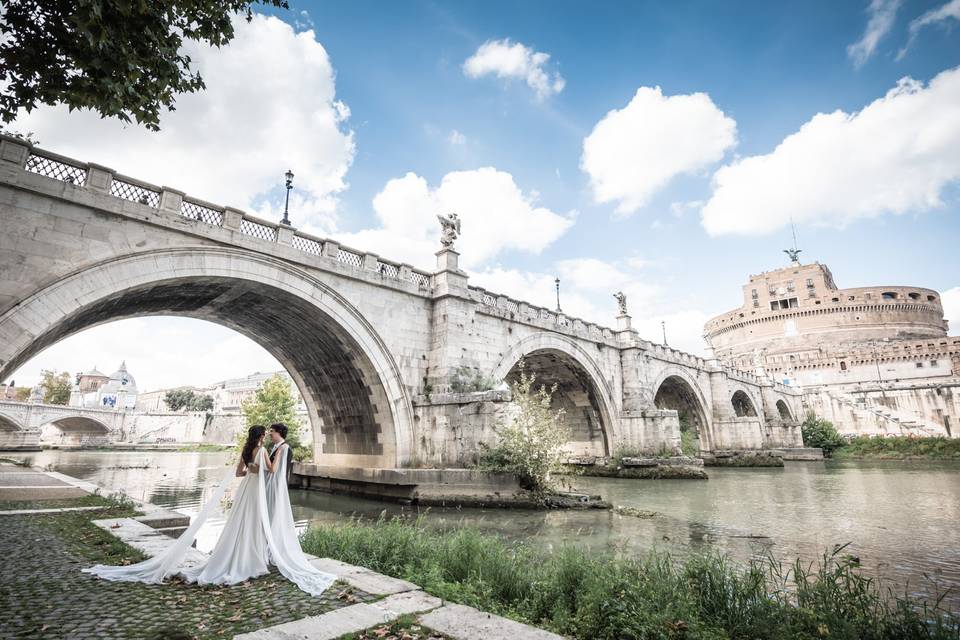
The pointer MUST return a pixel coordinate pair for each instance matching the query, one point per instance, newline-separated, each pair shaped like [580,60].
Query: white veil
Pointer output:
[163,565]
[281,536]
[285,551]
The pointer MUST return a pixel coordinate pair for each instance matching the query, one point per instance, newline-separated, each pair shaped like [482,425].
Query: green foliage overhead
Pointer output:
[531,444]
[121,58]
[273,402]
[179,399]
[56,387]
[821,433]
[580,593]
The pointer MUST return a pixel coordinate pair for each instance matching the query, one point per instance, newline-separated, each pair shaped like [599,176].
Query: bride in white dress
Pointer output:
[250,536]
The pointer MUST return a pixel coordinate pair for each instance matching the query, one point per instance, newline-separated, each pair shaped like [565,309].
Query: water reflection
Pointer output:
[900,519]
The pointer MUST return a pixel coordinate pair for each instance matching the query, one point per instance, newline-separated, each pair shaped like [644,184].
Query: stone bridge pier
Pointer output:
[398,366]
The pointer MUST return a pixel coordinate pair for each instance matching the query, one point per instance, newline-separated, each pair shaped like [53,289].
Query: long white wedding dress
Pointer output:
[251,536]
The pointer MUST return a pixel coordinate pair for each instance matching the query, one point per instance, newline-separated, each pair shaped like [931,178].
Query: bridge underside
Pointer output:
[575,394]
[676,394]
[346,402]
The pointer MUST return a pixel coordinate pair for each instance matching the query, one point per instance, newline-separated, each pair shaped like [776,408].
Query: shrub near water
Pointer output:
[600,596]
[821,433]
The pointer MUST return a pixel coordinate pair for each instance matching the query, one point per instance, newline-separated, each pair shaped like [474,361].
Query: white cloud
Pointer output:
[456,138]
[894,156]
[194,352]
[945,12]
[634,152]
[496,216]
[883,13]
[950,299]
[270,105]
[515,61]
[587,286]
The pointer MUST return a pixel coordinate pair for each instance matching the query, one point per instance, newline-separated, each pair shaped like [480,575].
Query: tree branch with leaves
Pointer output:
[123,59]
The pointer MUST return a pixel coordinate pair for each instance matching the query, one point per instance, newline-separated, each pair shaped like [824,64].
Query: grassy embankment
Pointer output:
[898,448]
[601,596]
[821,433]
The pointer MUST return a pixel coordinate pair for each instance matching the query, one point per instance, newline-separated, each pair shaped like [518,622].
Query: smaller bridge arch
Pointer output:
[677,391]
[743,404]
[582,389]
[783,410]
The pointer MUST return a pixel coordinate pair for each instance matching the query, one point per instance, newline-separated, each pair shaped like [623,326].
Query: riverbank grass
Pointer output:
[604,597]
[898,448]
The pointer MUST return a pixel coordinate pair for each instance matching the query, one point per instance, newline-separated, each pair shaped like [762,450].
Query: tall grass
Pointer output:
[900,447]
[603,597]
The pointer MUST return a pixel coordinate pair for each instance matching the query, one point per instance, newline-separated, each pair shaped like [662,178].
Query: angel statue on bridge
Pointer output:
[450,229]
[621,302]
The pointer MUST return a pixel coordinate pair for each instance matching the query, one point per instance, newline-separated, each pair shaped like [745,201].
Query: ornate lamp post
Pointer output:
[556,282]
[286,207]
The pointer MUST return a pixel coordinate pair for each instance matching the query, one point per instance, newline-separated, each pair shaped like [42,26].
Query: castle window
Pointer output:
[793,303]
[914,296]
[756,303]
[774,305]
[919,365]
[868,296]
[931,298]
[933,363]
[834,299]
[753,294]
[889,295]
[851,298]
[790,285]
[843,366]
[811,293]
[810,283]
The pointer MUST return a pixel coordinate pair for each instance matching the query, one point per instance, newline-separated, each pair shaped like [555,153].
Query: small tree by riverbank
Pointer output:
[56,387]
[820,433]
[584,594]
[529,445]
[274,402]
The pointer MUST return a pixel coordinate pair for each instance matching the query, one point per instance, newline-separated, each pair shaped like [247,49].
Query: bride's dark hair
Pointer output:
[253,437]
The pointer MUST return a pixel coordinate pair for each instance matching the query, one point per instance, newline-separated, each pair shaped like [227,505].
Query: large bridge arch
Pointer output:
[583,390]
[359,407]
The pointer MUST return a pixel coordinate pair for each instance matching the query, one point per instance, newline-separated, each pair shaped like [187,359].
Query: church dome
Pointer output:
[121,380]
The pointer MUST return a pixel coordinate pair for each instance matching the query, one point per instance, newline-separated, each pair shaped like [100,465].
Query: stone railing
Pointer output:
[665,352]
[524,311]
[166,200]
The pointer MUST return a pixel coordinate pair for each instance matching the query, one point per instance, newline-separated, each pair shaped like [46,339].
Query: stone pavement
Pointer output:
[25,483]
[43,593]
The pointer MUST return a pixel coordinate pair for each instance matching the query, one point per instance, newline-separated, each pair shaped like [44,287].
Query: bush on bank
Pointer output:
[605,597]
[821,433]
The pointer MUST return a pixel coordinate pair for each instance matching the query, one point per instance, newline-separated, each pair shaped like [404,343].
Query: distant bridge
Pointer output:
[22,424]
[386,356]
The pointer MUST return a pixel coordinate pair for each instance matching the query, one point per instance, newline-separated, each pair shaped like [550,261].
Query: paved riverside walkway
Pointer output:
[45,542]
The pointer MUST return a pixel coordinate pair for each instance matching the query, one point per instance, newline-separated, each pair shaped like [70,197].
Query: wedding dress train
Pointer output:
[250,536]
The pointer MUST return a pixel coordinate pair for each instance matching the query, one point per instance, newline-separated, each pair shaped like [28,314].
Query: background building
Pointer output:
[94,390]
[872,359]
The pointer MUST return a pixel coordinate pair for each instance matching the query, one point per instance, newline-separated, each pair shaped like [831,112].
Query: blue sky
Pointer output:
[391,82]
[771,66]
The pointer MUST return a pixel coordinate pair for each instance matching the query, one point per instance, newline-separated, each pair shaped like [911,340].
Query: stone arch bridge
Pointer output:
[394,363]
[22,425]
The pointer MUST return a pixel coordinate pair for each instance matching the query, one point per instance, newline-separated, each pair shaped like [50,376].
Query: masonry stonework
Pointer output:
[377,349]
